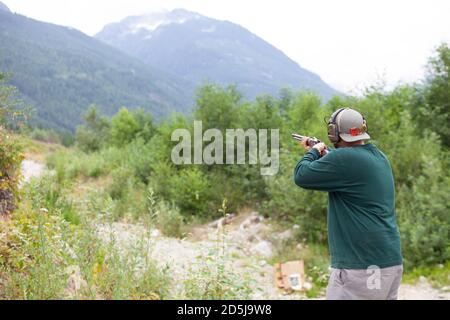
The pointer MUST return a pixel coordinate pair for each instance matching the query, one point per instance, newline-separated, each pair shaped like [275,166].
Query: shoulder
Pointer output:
[335,156]
[381,153]
[343,155]
[374,147]
[339,153]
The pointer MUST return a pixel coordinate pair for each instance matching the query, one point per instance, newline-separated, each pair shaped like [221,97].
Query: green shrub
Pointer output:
[48,194]
[93,135]
[166,217]
[129,273]
[10,148]
[10,160]
[423,215]
[140,159]
[121,184]
[128,194]
[190,190]
[124,127]
[45,135]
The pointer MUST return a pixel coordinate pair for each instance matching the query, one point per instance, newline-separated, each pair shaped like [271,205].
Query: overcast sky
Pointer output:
[349,43]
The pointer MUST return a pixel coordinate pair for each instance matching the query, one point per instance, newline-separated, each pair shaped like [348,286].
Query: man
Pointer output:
[363,238]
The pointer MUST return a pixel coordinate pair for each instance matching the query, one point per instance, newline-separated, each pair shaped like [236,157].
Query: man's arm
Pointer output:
[315,173]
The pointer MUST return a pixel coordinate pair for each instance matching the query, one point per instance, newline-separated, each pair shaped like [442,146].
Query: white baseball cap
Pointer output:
[352,126]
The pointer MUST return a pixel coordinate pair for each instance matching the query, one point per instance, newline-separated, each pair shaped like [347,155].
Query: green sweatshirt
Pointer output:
[362,228]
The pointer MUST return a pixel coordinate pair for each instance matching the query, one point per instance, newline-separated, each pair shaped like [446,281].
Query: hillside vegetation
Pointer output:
[60,71]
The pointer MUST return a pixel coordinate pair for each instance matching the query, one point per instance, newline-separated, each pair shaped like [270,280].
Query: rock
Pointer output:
[31,169]
[295,227]
[423,279]
[223,221]
[263,248]
[307,286]
[155,233]
[253,238]
[285,235]
[254,218]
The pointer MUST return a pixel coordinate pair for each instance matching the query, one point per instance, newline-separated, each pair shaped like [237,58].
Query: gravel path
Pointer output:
[422,290]
[31,169]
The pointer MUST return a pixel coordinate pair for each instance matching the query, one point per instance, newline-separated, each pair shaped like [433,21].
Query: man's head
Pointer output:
[347,126]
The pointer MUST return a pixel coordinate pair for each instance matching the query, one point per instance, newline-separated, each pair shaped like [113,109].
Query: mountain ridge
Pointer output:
[196,48]
[61,71]
[4,7]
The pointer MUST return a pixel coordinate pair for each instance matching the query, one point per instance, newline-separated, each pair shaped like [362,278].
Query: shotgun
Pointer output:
[311,141]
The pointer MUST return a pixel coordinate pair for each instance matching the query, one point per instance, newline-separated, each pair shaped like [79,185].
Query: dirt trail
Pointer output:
[31,169]
[422,290]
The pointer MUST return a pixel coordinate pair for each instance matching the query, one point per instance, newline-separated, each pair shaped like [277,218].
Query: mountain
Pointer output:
[4,7]
[61,71]
[198,48]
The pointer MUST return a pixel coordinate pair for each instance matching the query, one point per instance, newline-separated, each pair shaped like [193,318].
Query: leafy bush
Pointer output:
[124,127]
[49,195]
[10,160]
[140,159]
[92,136]
[10,149]
[166,217]
[44,135]
[423,217]
[432,106]
[190,190]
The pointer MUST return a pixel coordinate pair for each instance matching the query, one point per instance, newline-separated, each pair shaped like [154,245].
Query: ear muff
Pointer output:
[364,127]
[333,128]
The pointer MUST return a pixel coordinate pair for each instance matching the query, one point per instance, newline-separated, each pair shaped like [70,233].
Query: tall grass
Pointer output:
[212,275]
[47,244]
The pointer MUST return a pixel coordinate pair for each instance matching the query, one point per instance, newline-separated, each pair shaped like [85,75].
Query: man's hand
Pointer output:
[321,148]
[304,144]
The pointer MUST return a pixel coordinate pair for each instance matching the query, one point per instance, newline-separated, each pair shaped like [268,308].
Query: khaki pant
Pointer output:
[364,284]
